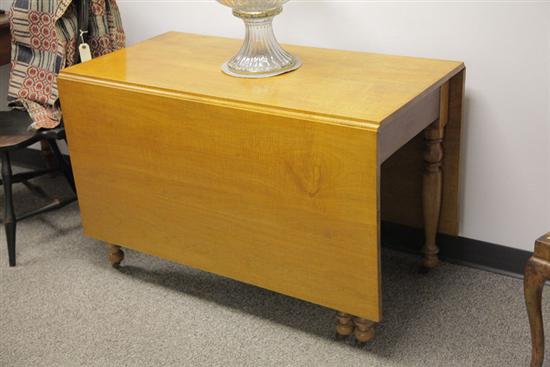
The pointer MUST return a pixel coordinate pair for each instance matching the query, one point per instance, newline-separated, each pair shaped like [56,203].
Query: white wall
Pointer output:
[506,47]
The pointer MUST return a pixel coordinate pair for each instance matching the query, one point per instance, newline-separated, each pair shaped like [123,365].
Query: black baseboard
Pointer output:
[459,250]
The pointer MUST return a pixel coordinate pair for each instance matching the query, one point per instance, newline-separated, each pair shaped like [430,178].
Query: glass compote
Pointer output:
[261,56]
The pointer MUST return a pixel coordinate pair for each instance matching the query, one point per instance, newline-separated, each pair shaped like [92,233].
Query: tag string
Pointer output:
[82,33]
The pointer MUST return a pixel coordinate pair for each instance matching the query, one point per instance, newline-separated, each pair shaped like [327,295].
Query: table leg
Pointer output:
[433,180]
[364,330]
[344,325]
[431,193]
[536,272]
[347,324]
[116,255]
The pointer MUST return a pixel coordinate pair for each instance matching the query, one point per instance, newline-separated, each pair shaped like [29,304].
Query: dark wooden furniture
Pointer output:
[5,46]
[15,135]
[537,272]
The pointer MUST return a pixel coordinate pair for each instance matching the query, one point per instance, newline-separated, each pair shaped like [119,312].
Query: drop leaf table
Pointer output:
[279,182]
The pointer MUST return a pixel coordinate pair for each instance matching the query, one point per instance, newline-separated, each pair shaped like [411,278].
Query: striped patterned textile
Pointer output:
[44,41]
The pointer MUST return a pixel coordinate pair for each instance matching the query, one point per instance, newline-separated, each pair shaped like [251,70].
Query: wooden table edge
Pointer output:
[228,103]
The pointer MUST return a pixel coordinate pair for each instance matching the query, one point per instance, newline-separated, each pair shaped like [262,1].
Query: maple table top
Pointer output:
[344,87]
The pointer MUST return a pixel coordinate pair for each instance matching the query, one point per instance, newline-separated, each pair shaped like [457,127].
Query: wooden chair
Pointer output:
[15,135]
[537,271]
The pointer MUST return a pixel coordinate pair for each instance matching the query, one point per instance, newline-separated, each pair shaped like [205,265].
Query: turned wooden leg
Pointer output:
[433,180]
[347,324]
[116,255]
[431,195]
[344,325]
[533,282]
[537,271]
[364,330]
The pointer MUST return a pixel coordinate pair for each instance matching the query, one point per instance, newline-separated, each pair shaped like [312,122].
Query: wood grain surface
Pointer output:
[289,205]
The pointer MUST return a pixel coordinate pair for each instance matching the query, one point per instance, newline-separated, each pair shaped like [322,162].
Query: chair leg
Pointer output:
[47,154]
[10,221]
[63,164]
[536,272]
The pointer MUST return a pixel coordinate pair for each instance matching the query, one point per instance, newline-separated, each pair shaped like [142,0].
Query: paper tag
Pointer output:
[85,54]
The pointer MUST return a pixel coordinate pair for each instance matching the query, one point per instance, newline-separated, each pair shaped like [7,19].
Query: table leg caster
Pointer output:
[364,330]
[116,255]
[430,261]
[344,325]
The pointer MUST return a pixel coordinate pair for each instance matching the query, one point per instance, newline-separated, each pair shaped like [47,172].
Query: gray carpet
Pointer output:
[63,305]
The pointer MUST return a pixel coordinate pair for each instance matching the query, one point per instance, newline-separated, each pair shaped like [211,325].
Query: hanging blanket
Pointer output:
[44,41]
